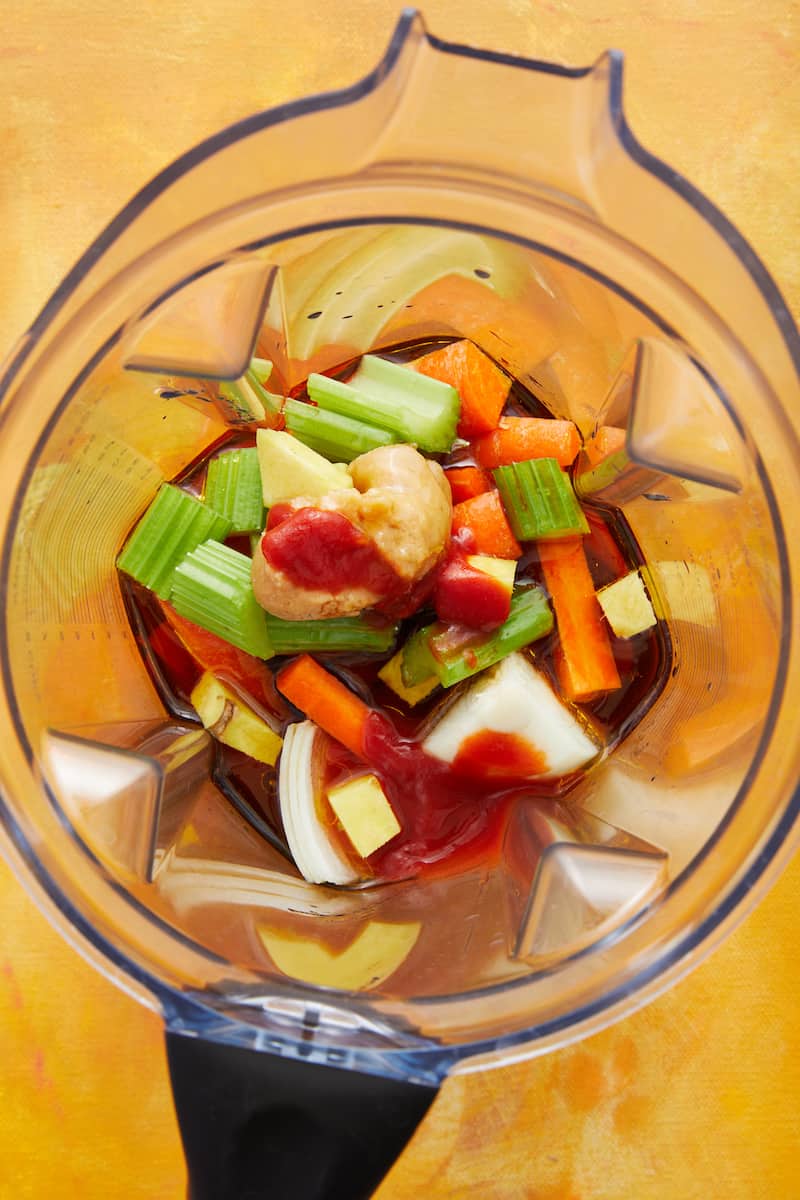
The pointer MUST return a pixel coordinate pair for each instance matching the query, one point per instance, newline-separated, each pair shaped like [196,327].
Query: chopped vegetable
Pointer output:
[212,587]
[606,440]
[482,386]
[231,721]
[466,482]
[509,723]
[247,399]
[233,488]
[627,606]
[584,660]
[410,406]
[364,813]
[370,635]
[434,648]
[502,569]
[325,700]
[392,675]
[290,468]
[538,499]
[174,524]
[486,520]
[519,438]
[247,674]
[299,786]
[335,436]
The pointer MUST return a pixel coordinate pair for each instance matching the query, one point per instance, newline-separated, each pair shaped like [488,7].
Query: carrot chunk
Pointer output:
[584,659]
[520,438]
[466,482]
[486,520]
[326,701]
[608,440]
[483,388]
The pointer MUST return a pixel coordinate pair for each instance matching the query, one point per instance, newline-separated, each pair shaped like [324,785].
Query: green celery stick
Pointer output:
[414,407]
[530,618]
[260,369]
[212,587]
[417,663]
[338,438]
[330,634]
[539,501]
[257,375]
[173,525]
[233,488]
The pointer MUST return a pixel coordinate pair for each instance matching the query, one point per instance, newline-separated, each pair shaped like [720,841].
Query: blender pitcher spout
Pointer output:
[515,122]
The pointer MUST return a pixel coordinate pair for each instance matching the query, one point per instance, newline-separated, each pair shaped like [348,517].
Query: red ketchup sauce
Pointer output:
[315,548]
[442,812]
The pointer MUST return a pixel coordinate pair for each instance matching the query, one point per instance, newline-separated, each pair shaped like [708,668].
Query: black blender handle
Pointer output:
[256,1126]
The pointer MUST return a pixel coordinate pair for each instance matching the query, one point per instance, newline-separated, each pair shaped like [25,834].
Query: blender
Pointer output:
[609,287]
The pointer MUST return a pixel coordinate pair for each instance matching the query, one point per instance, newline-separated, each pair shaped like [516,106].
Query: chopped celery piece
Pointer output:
[539,501]
[412,406]
[174,524]
[233,488]
[257,375]
[260,369]
[332,435]
[418,664]
[243,401]
[330,634]
[428,651]
[212,587]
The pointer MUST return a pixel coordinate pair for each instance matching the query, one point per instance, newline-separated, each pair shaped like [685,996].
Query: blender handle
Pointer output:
[254,1124]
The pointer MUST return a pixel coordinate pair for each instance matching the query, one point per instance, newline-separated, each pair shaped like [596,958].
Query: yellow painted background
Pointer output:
[697,1096]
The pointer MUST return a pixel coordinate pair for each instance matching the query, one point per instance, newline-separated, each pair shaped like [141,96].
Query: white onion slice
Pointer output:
[317,859]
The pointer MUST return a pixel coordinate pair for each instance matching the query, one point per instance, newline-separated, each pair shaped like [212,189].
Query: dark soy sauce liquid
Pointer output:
[448,822]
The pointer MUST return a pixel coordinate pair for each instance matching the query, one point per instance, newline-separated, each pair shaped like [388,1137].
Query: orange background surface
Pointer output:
[698,1094]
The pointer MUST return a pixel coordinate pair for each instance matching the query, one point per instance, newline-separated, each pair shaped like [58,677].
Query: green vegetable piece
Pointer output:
[410,405]
[418,664]
[257,375]
[539,501]
[246,399]
[212,587]
[173,525]
[338,438]
[330,634]
[233,488]
[430,649]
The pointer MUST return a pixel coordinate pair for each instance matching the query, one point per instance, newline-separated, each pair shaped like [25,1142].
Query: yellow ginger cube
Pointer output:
[233,722]
[627,606]
[501,569]
[364,813]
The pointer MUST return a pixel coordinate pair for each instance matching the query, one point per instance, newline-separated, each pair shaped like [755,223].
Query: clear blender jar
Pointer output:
[609,287]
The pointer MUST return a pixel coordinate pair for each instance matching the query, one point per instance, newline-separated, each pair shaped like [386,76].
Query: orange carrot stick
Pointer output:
[325,701]
[466,482]
[485,518]
[584,660]
[483,388]
[519,438]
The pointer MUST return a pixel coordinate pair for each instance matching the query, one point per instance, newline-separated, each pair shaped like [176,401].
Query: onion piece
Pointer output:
[299,784]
